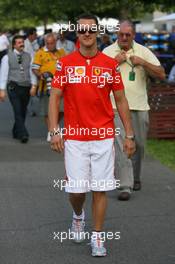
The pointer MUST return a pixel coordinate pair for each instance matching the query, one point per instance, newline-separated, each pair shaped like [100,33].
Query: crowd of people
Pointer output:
[44,51]
[27,65]
[29,69]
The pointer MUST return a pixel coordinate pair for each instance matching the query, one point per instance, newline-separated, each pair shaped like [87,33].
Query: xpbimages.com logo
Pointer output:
[101,81]
[85,131]
[101,29]
[103,185]
[62,236]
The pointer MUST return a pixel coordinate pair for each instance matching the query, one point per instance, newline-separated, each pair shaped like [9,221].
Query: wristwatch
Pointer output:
[132,137]
[55,132]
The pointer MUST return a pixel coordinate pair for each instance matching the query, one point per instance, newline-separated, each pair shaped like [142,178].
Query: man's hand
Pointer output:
[2,95]
[57,143]
[155,71]
[33,90]
[136,61]
[121,57]
[129,147]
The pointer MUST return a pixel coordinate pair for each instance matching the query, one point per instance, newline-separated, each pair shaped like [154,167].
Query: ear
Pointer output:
[134,34]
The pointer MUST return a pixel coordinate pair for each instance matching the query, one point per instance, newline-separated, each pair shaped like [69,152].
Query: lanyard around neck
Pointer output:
[130,64]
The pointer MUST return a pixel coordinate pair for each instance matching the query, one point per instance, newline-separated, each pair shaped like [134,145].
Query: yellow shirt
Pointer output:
[136,91]
[45,61]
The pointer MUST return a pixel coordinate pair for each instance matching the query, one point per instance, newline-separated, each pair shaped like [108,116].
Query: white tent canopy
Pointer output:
[170,17]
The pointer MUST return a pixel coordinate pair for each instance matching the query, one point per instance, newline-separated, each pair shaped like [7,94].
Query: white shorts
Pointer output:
[89,165]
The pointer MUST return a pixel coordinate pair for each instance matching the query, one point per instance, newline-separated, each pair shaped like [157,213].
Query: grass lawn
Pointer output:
[163,150]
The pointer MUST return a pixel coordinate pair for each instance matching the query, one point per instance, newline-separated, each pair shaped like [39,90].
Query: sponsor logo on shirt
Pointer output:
[74,79]
[98,71]
[59,66]
[80,71]
[106,74]
[75,71]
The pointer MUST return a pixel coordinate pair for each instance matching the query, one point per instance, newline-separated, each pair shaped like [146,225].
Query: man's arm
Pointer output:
[57,143]
[153,70]
[2,95]
[34,82]
[37,63]
[37,73]
[4,70]
[124,113]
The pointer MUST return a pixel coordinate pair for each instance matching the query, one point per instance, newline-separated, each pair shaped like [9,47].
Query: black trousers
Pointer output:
[19,97]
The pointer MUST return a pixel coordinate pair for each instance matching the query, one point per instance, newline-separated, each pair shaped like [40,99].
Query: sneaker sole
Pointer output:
[99,255]
[78,241]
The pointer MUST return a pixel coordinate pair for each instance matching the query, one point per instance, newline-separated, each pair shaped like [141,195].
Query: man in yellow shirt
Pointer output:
[136,64]
[44,67]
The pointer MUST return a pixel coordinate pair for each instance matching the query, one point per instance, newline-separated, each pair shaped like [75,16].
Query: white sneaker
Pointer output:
[48,137]
[97,246]
[77,230]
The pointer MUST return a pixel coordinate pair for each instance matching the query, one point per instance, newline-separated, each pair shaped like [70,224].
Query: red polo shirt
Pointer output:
[86,83]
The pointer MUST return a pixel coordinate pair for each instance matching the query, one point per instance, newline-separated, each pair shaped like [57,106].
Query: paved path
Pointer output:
[31,209]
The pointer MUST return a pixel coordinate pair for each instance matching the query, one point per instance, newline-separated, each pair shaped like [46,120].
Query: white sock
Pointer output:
[96,235]
[82,216]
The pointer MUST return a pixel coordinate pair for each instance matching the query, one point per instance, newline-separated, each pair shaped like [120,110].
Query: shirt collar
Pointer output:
[17,52]
[45,48]
[132,48]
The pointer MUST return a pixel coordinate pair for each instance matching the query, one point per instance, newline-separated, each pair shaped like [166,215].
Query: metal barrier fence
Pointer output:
[162,114]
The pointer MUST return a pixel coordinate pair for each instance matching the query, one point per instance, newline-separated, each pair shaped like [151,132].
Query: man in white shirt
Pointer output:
[31,46]
[136,64]
[16,77]
[4,43]
[3,78]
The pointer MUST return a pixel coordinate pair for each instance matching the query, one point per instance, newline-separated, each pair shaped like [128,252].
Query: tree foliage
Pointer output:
[32,12]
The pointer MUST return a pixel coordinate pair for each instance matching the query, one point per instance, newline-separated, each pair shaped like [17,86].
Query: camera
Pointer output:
[48,76]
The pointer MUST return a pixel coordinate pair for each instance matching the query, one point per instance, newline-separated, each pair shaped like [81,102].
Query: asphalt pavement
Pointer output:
[34,211]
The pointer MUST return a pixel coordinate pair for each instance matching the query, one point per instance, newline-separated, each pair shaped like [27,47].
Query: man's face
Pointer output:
[33,37]
[19,44]
[51,44]
[126,36]
[87,33]
[62,36]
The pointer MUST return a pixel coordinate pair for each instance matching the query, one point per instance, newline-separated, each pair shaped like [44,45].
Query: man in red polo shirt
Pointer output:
[85,78]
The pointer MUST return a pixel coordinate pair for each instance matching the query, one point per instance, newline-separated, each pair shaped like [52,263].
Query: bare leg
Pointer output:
[77,200]
[99,204]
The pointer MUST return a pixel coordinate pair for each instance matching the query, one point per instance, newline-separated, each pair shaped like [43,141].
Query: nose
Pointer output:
[87,33]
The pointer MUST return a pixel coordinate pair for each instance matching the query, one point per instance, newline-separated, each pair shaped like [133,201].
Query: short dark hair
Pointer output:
[31,31]
[15,38]
[87,16]
[47,31]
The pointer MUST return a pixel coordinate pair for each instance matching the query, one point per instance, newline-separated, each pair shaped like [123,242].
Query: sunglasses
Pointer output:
[128,35]
[83,31]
